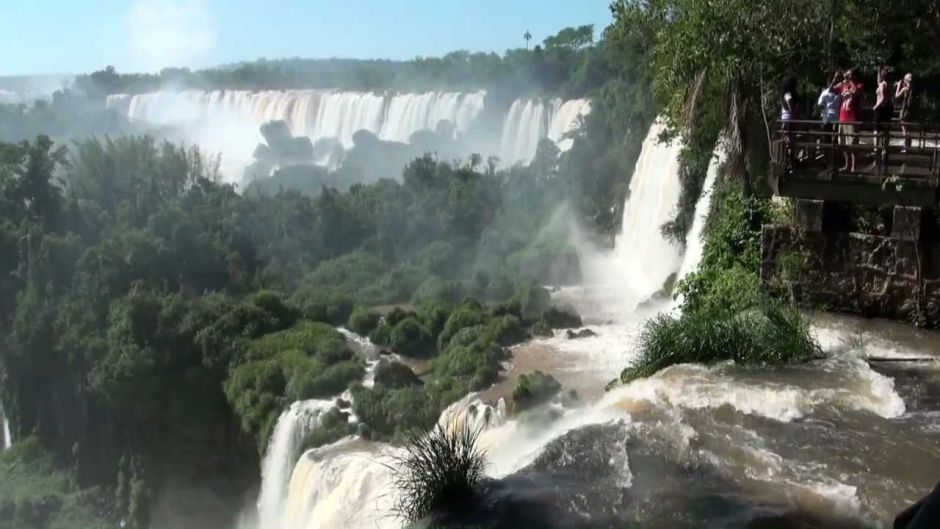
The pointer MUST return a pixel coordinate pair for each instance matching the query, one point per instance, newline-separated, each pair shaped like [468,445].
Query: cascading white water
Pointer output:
[7,438]
[314,113]
[693,241]
[292,427]
[228,121]
[646,258]
[531,120]
[565,120]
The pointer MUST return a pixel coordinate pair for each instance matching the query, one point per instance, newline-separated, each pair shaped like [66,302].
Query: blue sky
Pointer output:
[76,36]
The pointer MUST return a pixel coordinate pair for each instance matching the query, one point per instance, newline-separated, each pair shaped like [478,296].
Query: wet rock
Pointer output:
[533,389]
[363,431]
[561,317]
[583,333]
[343,404]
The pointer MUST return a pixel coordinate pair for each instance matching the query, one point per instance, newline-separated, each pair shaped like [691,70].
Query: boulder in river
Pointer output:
[583,333]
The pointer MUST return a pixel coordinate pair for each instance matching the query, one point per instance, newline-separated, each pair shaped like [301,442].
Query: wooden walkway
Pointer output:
[890,168]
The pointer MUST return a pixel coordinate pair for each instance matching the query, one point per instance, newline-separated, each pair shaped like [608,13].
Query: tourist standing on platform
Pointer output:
[851,92]
[789,101]
[883,109]
[828,104]
[904,98]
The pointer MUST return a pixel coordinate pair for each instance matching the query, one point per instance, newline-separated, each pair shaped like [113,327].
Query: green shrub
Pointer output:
[382,335]
[441,471]
[467,314]
[410,338]
[480,359]
[308,382]
[334,425]
[35,492]
[506,330]
[327,307]
[392,413]
[438,289]
[434,316]
[771,333]
[363,321]
[533,389]
[313,339]
[393,375]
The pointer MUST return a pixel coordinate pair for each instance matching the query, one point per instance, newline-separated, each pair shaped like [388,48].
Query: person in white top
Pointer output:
[828,103]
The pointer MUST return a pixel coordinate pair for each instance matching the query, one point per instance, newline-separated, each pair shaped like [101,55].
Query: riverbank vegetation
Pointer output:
[169,318]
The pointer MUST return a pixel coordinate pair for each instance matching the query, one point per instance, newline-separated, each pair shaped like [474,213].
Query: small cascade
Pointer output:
[531,120]
[285,445]
[7,438]
[694,245]
[565,120]
[646,259]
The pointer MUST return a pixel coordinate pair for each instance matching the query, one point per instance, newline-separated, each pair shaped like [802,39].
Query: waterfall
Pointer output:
[346,485]
[315,113]
[565,120]
[645,258]
[531,120]
[7,438]
[228,121]
[693,241]
[292,427]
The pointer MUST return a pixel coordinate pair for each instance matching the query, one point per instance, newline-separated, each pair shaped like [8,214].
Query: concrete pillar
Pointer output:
[907,223]
[809,214]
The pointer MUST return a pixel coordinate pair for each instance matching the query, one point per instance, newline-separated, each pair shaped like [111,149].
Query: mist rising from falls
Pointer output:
[617,282]
[286,442]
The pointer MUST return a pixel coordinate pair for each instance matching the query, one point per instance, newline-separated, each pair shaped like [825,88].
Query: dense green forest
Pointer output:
[565,64]
[154,322]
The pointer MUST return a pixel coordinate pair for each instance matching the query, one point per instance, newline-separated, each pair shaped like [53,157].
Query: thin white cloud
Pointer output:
[170,33]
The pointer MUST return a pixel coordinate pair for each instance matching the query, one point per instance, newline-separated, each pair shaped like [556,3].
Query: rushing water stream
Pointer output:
[845,441]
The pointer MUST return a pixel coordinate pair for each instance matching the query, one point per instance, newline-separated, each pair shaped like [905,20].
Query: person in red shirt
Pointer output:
[851,92]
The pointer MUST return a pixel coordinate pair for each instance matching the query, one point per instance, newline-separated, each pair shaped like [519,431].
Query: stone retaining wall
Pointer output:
[850,272]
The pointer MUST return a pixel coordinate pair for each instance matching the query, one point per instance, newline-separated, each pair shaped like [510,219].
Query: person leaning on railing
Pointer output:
[828,104]
[851,92]
[904,98]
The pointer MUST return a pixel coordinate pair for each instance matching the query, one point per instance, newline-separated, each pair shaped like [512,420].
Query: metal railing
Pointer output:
[805,149]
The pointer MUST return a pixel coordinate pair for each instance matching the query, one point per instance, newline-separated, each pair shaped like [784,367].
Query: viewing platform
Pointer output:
[890,169]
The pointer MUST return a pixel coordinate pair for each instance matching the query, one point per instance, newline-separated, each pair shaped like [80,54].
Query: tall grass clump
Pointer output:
[726,313]
[770,334]
[441,471]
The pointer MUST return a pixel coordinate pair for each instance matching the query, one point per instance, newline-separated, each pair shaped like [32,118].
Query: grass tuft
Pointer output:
[441,471]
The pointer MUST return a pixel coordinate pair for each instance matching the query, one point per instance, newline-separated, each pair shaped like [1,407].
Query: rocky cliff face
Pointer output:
[849,272]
